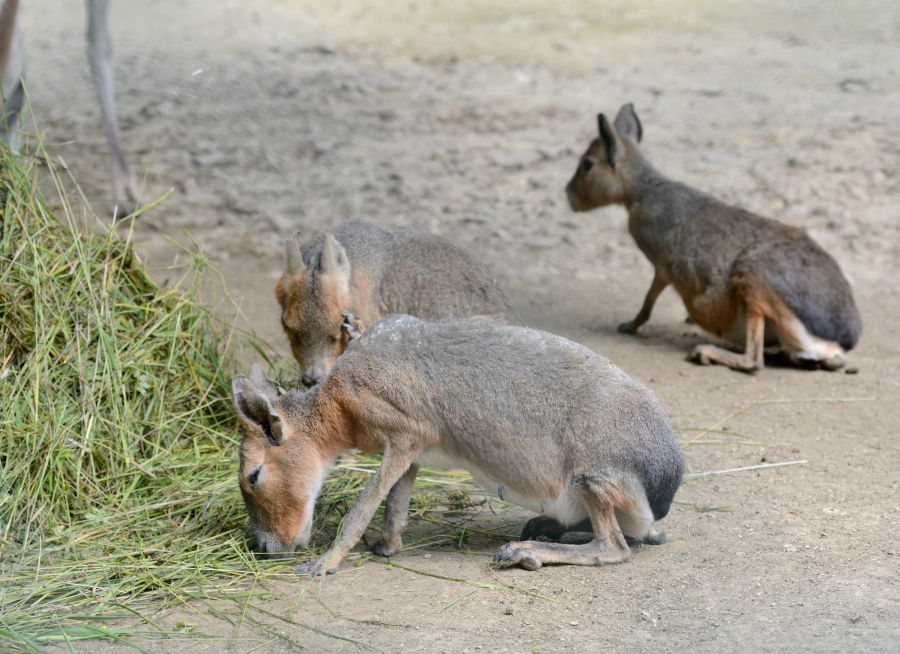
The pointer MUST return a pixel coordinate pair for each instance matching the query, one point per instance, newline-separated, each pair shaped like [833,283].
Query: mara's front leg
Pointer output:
[657,286]
[396,514]
[395,464]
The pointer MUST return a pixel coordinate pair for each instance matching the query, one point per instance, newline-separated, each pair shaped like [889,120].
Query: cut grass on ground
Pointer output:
[118,493]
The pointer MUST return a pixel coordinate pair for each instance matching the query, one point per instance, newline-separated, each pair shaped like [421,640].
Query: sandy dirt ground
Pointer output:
[466,118]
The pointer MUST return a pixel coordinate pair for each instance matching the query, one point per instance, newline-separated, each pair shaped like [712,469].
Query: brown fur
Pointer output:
[540,420]
[292,293]
[737,273]
[285,511]
[369,271]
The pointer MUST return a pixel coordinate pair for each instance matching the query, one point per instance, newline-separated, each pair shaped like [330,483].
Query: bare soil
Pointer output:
[467,118]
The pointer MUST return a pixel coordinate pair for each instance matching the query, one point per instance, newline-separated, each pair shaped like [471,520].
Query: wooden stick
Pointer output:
[788,400]
[697,475]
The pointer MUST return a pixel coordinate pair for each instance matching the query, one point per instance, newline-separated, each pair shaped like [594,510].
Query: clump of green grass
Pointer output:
[117,439]
[118,443]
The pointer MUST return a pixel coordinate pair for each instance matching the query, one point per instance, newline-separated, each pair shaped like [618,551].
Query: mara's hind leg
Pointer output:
[581,533]
[637,531]
[751,359]
[637,528]
[637,523]
[805,350]
[601,492]
[396,514]
[762,304]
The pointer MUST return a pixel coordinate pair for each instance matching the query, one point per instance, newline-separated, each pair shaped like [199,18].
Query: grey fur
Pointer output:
[712,253]
[385,270]
[551,422]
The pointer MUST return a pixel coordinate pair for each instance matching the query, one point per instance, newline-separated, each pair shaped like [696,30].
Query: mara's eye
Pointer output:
[254,477]
[586,165]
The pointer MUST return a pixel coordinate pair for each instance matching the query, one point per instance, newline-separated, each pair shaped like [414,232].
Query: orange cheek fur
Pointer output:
[283,505]
[278,513]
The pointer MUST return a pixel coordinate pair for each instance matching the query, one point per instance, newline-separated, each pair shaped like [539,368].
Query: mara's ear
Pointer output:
[609,139]
[628,124]
[335,264]
[351,328]
[293,250]
[255,410]
[262,383]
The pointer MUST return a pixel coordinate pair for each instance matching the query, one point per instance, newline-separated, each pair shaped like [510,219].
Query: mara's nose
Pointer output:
[310,378]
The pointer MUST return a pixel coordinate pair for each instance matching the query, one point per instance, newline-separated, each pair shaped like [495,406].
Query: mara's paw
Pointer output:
[654,537]
[812,361]
[700,356]
[381,548]
[316,568]
[519,553]
[627,328]
[833,363]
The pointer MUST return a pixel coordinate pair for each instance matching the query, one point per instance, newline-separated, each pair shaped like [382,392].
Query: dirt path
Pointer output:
[467,118]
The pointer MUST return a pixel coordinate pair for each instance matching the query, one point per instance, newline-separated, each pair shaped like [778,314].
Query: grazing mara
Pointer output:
[338,283]
[537,419]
